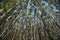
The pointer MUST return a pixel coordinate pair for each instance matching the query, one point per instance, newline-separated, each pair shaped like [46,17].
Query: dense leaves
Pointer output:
[29,20]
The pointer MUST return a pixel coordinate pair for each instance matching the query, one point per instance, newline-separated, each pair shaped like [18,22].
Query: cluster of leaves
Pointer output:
[29,20]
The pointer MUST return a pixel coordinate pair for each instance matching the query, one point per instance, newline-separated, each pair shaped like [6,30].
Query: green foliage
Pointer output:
[20,1]
[28,20]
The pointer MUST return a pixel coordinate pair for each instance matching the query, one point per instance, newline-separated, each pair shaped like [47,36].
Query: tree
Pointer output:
[29,20]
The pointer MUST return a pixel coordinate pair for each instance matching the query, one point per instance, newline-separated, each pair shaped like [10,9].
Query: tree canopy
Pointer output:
[29,20]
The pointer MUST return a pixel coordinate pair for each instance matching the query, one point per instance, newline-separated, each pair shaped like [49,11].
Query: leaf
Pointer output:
[1,10]
[20,1]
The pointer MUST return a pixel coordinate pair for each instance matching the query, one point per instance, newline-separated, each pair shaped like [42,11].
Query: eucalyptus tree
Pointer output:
[29,20]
